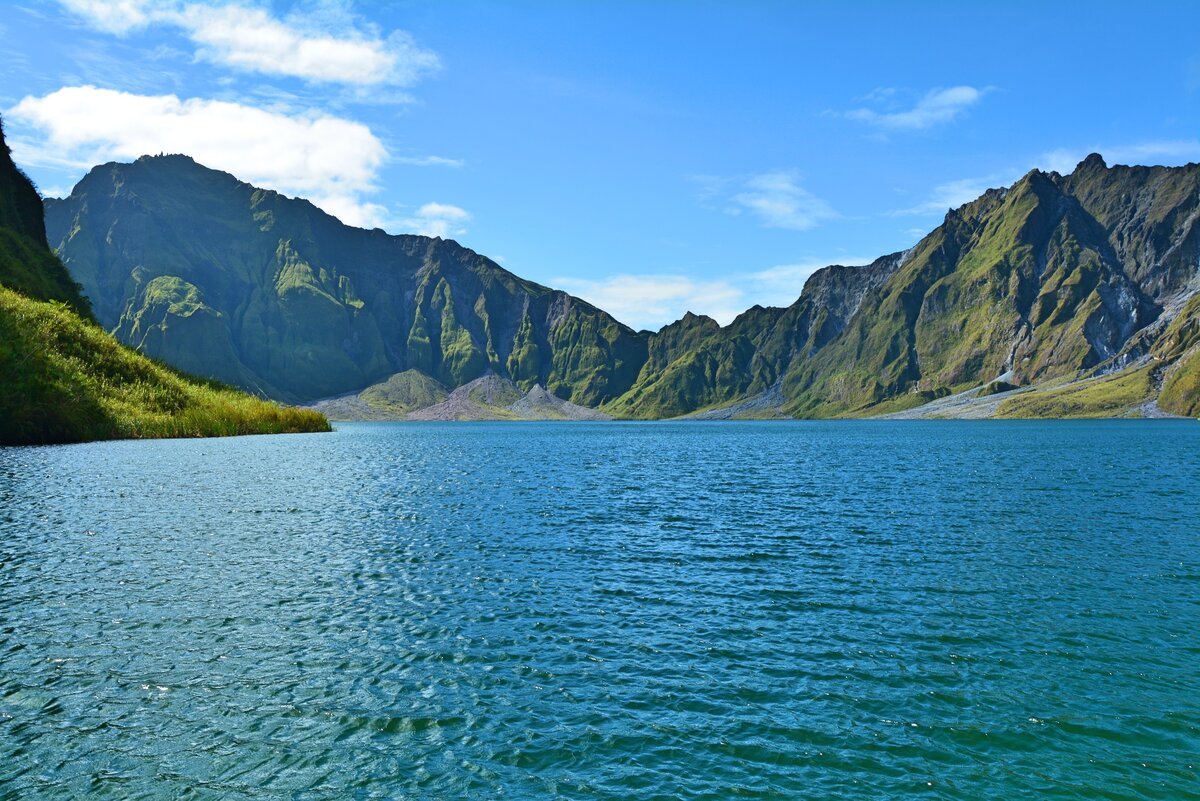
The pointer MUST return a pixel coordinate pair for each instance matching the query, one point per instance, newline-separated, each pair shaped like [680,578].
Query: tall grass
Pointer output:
[63,379]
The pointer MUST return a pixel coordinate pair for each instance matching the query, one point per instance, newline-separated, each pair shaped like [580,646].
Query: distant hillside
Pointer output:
[1020,293]
[1053,277]
[1017,297]
[269,293]
[63,379]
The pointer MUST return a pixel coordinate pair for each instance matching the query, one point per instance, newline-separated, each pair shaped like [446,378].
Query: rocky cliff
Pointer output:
[1056,278]
[269,293]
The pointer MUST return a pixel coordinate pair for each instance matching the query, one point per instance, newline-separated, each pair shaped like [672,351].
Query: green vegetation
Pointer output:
[29,268]
[403,393]
[1117,395]
[1181,391]
[271,294]
[1048,279]
[26,264]
[65,380]
[1179,349]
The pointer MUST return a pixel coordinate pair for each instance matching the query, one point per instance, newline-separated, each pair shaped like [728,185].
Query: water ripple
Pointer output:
[764,611]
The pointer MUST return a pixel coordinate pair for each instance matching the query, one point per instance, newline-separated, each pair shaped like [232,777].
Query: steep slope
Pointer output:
[269,293]
[26,264]
[695,364]
[1052,280]
[1022,285]
[63,379]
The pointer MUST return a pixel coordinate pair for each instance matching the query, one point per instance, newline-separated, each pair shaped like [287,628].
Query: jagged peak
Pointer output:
[691,317]
[169,157]
[1093,162]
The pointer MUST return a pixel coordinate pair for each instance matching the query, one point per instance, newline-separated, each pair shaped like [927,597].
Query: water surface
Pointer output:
[864,610]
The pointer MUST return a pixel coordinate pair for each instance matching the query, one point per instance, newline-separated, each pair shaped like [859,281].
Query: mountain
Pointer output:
[26,264]
[412,395]
[1058,296]
[220,278]
[63,379]
[1053,277]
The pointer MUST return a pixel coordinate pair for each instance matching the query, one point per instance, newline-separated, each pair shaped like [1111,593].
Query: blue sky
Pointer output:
[651,157]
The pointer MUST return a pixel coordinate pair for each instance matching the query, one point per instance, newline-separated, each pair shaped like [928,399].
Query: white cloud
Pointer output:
[1171,152]
[951,195]
[54,191]
[935,107]
[429,161]
[436,219]
[780,202]
[112,16]
[248,38]
[652,301]
[332,161]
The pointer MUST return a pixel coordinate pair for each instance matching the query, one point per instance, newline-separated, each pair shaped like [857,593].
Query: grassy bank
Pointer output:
[66,380]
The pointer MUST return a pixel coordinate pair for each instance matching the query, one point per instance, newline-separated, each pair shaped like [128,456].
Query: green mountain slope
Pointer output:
[1020,284]
[271,294]
[1053,280]
[63,379]
[26,263]
[66,380]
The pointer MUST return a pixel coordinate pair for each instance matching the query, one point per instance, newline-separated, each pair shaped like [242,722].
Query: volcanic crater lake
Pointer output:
[859,610]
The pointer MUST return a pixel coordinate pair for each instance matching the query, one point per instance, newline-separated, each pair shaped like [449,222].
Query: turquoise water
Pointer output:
[606,611]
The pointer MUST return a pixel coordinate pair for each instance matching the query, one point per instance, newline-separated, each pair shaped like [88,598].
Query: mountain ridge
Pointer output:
[64,379]
[1052,277]
[276,281]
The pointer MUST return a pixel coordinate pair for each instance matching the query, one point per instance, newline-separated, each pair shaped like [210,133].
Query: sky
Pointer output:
[651,157]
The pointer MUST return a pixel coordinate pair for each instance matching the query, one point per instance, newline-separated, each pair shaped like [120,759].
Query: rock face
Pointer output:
[26,264]
[1043,279]
[63,379]
[1055,277]
[269,293]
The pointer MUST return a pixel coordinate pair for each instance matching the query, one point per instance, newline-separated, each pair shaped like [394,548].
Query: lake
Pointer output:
[858,610]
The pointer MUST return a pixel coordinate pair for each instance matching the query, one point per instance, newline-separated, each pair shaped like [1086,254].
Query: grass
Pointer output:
[65,380]
[1181,392]
[1112,396]
[404,392]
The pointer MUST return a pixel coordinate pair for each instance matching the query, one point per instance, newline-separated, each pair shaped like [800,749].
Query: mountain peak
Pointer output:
[177,157]
[1093,162]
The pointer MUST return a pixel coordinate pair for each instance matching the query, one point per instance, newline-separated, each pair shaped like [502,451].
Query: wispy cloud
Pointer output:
[436,219]
[935,107]
[248,38]
[951,195]
[1170,152]
[654,300]
[774,199]
[429,161]
[332,161]
[780,202]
